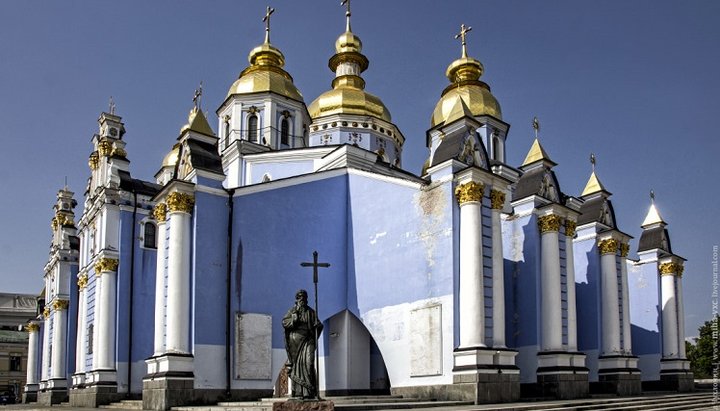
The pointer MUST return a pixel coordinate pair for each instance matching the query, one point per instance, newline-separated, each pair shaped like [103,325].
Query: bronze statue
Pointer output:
[302,329]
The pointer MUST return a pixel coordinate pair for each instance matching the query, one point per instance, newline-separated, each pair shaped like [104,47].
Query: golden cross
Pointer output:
[112,105]
[463,32]
[347,13]
[592,161]
[652,196]
[266,19]
[196,97]
[536,126]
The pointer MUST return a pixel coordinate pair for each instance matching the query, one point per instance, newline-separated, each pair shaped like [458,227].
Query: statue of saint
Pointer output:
[301,331]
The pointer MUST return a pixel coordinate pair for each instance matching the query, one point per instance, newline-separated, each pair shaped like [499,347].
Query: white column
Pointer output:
[550,284]
[96,321]
[180,206]
[59,341]
[626,329]
[44,372]
[570,278]
[609,298]
[32,330]
[670,328]
[497,200]
[159,343]
[105,327]
[472,301]
[81,326]
[681,313]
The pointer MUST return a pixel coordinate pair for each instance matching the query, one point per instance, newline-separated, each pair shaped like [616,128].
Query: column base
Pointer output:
[78,380]
[562,375]
[618,374]
[93,396]
[485,375]
[30,394]
[169,382]
[54,391]
[675,375]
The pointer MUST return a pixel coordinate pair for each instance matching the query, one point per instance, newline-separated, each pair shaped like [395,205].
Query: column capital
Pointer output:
[548,223]
[671,269]
[60,304]
[106,264]
[469,192]
[160,212]
[570,227]
[94,160]
[624,249]
[608,246]
[180,202]
[497,199]
[105,148]
[82,281]
[32,327]
[46,312]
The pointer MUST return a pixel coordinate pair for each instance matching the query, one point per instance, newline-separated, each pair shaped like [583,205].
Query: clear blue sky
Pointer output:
[634,82]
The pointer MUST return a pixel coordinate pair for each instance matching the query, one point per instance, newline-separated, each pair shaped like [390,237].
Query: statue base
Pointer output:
[303,405]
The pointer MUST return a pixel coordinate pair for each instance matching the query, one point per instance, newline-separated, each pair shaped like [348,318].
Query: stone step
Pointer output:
[124,405]
[400,405]
[626,403]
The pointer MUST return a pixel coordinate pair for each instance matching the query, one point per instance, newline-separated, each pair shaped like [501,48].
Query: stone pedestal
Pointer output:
[303,405]
[94,388]
[169,381]
[619,374]
[30,394]
[562,375]
[675,375]
[54,392]
[485,375]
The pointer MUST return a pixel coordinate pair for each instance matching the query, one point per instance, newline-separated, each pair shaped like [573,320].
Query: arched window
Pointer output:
[90,338]
[497,155]
[252,128]
[150,236]
[227,131]
[285,132]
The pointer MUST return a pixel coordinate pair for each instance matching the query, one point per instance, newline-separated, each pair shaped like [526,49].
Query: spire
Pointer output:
[463,32]
[266,54]
[653,216]
[196,119]
[536,153]
[347,14]
[593,185]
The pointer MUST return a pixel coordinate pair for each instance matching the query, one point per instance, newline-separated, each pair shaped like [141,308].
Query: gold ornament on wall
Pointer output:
[61,304]
[106,264]
[54,223]
[549,223]
[570,227]
[105,148]
[46,312]
[180,202]
[82,281]
[671,269]
[94,160]
[160,212]
[609,246]
[497,199]
[624,249]
[468,192]
[119,152]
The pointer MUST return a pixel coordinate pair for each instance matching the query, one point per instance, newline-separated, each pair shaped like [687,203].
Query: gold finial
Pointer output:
[652,196]
[463,32]
[112,106]
[347,14]
[266,19]
[592,161]
[196,97]
[536,126]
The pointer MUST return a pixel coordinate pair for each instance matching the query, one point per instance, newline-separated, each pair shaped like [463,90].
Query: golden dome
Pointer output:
[171,158]
[265,73]
[464,74]
[348,95]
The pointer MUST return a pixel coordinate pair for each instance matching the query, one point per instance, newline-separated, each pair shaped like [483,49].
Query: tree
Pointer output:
[705,354]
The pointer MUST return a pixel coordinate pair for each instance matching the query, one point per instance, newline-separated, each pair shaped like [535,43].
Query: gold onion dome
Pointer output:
[265,73]
[464,74]
[348,95]
[171,158]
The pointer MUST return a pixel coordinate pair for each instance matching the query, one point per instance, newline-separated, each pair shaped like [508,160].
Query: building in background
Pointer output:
[15,311]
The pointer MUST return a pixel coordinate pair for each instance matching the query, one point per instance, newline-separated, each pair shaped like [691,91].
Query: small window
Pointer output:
[285,132]
[15,363]
[496,149]
[253,128]
[150,236]
[91,329]
[227,131]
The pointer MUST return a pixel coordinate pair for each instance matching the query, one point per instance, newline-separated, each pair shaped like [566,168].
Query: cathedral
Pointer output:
[475,280]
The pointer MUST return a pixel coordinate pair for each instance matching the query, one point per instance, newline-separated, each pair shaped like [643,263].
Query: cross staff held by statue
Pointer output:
[315,265]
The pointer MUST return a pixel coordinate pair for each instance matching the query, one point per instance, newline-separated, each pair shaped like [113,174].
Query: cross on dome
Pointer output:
[536,126]
[592,161]
[266,19]
[463,33]
[347,14]
[112,105]
[196,97]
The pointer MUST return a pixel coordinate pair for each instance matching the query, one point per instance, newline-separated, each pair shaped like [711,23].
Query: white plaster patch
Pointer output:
[374,239]
[253,346]
[426,341]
